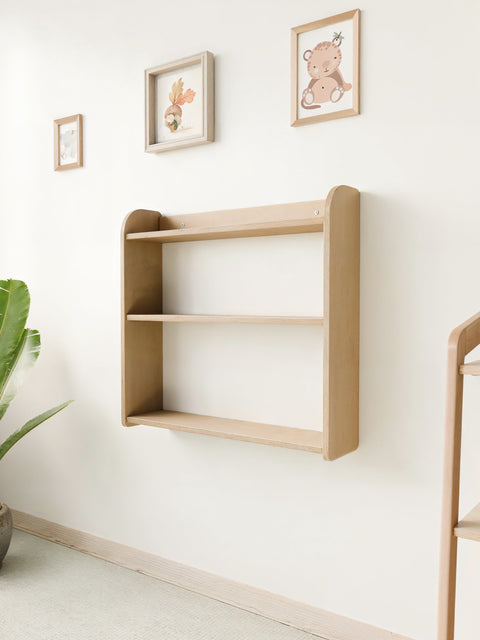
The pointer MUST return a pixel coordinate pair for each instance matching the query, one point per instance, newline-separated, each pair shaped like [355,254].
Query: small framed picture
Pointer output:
[326,69]
[179,103]
[68,142]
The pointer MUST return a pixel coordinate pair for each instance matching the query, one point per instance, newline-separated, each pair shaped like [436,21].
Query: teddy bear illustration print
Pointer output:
[323,65]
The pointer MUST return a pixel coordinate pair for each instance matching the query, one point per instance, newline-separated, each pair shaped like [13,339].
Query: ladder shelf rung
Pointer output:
[470,368]
[469,527]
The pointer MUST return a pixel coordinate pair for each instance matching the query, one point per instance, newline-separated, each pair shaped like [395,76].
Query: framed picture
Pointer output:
[179,103]
[68,142]
[326,69]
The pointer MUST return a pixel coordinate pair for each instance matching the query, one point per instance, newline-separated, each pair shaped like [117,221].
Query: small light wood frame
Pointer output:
[206,60]
[142,319]
[56,142]
[311,26]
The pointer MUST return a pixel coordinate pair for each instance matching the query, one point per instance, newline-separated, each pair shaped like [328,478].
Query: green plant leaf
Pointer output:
[23,359]
[28,426]
[14,307]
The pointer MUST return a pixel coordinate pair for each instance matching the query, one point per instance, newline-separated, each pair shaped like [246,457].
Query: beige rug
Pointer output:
[49,592]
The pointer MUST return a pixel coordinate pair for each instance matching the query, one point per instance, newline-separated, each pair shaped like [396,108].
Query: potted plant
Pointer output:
[19,349]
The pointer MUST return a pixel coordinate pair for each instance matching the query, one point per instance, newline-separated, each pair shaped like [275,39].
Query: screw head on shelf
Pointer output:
[183,224]
[316,212]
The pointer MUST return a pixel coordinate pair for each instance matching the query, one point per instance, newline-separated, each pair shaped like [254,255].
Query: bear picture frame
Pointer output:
[325,72]
[179,103]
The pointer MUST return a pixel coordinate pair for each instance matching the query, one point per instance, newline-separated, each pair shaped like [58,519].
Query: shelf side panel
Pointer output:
[142,343]
[341,322]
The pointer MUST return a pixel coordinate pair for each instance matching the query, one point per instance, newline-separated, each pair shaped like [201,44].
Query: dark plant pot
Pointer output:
[6,528]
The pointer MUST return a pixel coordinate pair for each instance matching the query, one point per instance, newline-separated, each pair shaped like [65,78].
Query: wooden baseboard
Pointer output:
[329,626]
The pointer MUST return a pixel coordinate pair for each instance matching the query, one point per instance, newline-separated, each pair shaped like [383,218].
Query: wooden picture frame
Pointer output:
[68,144]
[319,90]
[179,103]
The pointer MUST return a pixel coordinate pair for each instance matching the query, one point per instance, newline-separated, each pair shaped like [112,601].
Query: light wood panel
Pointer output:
[304,439]
[282,227]
[470,368]
[142,345]
[342,318]
[329,626]
[302,320]
[462,340]
[469,527]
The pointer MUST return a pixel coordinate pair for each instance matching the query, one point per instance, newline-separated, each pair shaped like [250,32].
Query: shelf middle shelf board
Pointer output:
[274,228]
[289,437]
[226,319]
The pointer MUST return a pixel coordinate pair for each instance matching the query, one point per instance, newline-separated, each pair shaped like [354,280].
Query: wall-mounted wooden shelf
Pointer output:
[143,234]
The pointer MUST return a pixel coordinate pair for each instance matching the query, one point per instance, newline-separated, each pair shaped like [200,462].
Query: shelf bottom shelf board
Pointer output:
[469,527]
[288,437]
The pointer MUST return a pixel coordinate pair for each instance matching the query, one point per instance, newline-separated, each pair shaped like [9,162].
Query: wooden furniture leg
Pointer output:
[462,340]
[451,493]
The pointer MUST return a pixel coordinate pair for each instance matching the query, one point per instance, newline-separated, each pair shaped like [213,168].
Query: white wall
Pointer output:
[358,536]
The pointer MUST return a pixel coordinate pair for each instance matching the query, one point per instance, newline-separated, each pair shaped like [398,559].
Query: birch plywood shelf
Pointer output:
[304,439]
[143,234]
[231,231]
[165,317]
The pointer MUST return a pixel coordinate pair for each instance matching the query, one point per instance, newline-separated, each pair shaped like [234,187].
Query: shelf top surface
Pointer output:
[296,217]
[188,234]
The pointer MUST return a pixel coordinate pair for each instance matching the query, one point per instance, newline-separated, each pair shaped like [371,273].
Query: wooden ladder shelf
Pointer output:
[144,233]
[461,342]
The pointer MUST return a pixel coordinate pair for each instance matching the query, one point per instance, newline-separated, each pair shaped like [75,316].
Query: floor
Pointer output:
[49,592]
